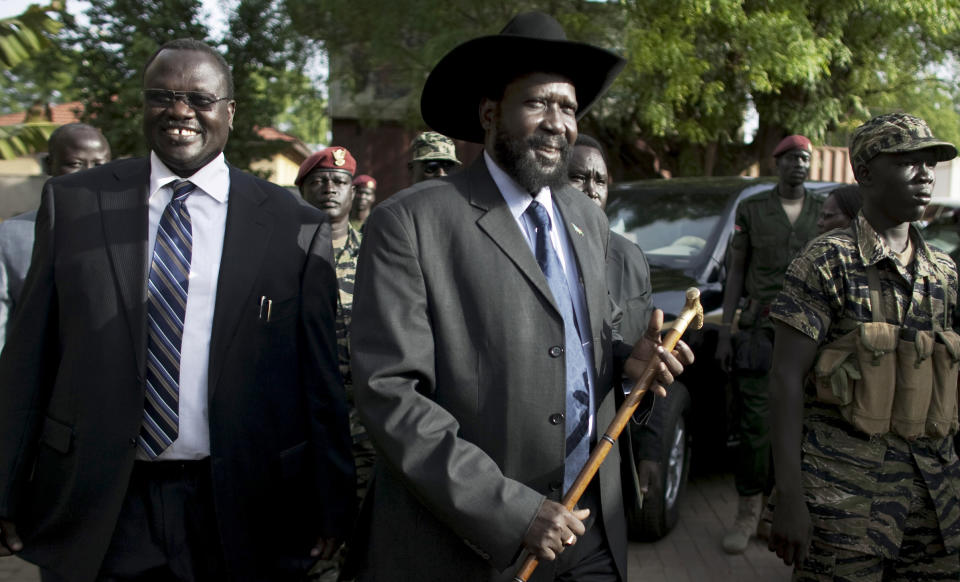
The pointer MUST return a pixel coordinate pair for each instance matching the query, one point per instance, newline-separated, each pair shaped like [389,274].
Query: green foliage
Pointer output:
[374,44]
[46,78]
[268,59]
[811,67]
[24,139]
[23,42]
[24,36]
[695,66]
[117,37]
[305,112]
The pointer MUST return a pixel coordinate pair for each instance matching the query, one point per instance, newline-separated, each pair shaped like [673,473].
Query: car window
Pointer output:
[944,236]
[672,228]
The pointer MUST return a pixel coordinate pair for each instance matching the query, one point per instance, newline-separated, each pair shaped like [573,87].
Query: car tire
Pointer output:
[660,509]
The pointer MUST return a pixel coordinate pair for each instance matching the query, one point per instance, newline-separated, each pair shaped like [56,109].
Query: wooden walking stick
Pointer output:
[692,313]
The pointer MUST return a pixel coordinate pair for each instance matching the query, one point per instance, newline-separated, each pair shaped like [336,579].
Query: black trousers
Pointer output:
[590,559]
[167,530]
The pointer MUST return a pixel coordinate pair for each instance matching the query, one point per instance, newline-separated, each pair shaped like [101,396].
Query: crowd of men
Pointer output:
[207,377]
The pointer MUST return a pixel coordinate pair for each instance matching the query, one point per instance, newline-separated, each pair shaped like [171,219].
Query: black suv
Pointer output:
[684,226]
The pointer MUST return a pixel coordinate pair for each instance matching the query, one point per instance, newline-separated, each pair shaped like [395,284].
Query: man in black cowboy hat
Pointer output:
[483,345]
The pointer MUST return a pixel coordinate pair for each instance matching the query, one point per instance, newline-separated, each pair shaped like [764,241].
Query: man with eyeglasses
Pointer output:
[171,408]
[433,155]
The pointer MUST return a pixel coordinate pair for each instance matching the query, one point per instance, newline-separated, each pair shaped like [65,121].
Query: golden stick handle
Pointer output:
[692,312]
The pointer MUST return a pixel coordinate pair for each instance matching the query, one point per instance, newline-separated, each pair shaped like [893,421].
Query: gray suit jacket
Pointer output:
[16,246]
[458,384]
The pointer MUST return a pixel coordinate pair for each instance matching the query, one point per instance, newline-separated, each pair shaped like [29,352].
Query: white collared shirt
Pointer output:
[518,200]
[208,217]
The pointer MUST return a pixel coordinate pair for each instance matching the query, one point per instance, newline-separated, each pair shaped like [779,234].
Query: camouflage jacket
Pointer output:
[346,264]
[858,488]
[364,454]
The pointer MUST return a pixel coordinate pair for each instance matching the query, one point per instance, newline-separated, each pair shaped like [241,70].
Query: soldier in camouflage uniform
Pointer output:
[326,181]
[432,155]
[770,229]
[878,491]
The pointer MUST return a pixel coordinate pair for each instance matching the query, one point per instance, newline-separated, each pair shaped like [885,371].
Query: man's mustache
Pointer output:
[559,142]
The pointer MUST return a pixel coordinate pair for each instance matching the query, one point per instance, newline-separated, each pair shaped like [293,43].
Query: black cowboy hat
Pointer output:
[531,42]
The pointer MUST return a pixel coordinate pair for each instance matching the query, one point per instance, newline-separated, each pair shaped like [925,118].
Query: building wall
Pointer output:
[831,164]
[283,171]
[25,166]
[827,164]
[19,194]
[948,180]
[383,152]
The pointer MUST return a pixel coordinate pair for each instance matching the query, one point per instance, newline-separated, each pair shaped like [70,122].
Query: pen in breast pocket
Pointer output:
[265,303]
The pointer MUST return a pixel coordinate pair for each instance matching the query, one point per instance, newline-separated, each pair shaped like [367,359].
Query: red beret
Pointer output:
[331,158]
[792,142]
[365,180]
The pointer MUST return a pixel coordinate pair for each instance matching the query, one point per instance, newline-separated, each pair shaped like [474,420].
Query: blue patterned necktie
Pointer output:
[577,400]
[166,308]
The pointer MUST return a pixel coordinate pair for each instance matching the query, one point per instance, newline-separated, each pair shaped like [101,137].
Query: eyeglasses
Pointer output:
[196,100]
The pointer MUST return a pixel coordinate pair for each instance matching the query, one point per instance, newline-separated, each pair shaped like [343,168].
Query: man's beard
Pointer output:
[520,161]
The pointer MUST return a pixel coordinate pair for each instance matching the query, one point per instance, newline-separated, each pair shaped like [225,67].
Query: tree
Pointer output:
[266,56]
[48,77]
[305,113]
[268,59]
[395,43]
[24,39]
[695,66]
[113,48]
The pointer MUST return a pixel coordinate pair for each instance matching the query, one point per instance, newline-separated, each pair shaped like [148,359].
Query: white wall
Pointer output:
[19,194]
[947,180]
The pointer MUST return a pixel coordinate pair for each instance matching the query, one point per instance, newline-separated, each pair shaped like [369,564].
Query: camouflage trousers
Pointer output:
[922,555]
[364,456]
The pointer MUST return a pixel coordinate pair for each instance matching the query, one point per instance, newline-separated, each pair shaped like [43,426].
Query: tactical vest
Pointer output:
[885,377]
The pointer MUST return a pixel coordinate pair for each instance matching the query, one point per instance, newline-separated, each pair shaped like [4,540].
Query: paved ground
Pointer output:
[691,553]
[16,570]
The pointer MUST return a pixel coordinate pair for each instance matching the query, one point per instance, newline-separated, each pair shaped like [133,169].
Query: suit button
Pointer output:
[556,352]
[133,442]
[556,418]
[555,485]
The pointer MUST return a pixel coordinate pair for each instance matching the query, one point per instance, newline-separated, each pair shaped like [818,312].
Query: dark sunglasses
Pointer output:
[197,100]
[432,167]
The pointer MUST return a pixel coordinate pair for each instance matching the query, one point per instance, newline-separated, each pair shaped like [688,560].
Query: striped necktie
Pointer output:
[577,398]
[166,308]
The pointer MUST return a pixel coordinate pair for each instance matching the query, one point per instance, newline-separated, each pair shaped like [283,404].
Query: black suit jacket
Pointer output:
[72,376]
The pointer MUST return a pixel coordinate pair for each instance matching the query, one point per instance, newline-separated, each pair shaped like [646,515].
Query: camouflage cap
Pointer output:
[430,145]
[895,133]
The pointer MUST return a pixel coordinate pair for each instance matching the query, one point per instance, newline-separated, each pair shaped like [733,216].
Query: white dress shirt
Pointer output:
[518,200]
[207,206]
